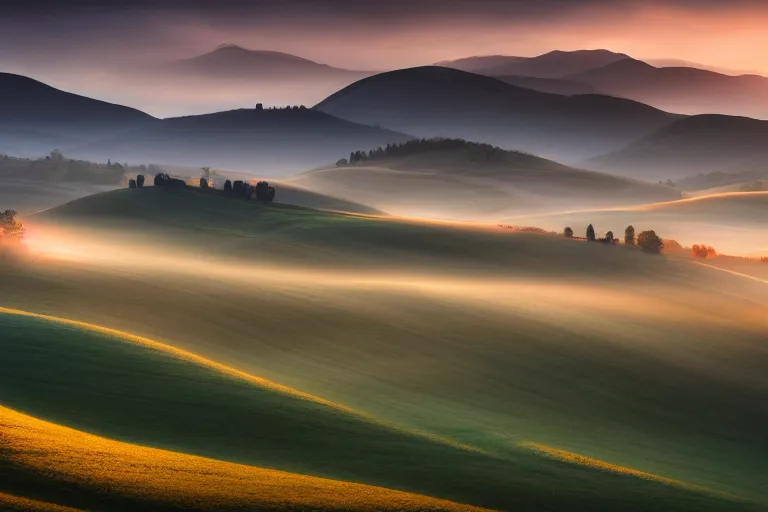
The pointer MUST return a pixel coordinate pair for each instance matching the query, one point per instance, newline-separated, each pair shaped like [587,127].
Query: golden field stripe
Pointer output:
[190,482]
[582,460]
[236,374]
[13,503]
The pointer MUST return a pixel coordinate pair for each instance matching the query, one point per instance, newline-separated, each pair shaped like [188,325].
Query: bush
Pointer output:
[649,241]
[10,227]
[629,235]
[703,251]
[131,183]
[568,233]
[140,180]
[228,185]
[609,239]
[165,180]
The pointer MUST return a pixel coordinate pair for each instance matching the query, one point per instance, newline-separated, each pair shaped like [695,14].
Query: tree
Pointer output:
[203,182]
[140,180]
[608,238]
[206,172]
[131,183]
[629,235]
[341,163]
[590,233]
[228,185]
[703,251]
[10,228]
[649,241]
[568,232]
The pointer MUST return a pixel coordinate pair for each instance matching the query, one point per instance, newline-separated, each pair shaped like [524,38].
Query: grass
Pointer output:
[146,477]
[473,335]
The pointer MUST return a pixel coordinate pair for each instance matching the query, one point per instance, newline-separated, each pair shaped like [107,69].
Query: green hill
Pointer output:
[587,375]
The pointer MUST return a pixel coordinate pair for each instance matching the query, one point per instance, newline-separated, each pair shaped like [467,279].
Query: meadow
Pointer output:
[456,362]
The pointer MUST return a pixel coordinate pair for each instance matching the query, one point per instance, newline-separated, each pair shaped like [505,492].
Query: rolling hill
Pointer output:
[732,222]
[522,372]
[555,64]
[681,89]
[436,101]
[37,118]
[271,142]
[455,179]
[694,145]
[549,85]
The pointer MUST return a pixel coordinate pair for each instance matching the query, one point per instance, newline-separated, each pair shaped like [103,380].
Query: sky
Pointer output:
[78,43]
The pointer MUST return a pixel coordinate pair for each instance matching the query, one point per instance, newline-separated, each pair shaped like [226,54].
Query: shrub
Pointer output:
[10,228]
[131,183]
[629,235]
[703,251]
[568,232]
[140,180]
[649,241]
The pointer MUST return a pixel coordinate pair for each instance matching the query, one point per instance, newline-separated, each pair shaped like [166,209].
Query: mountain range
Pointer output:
[668,84]
[437,101]
[568,123]
[555,64]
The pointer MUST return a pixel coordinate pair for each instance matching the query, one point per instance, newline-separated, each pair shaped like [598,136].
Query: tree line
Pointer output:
[262,191]
[647,240]
[415,146]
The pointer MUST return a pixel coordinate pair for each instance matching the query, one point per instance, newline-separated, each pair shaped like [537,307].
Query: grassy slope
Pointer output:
[568,345]
[732,222]
[464,184]
[106,386]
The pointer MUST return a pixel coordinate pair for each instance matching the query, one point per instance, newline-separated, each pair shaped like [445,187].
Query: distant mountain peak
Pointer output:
[227,46]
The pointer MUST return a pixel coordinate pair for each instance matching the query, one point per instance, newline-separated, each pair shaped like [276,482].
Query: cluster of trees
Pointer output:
[703,251]
[11,228]
[647,240]
[415,146]
[262,191]
[260,107]
[137,183]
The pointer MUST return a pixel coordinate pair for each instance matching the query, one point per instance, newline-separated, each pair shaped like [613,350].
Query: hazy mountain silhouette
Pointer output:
[697,144]
[554,64]
[271,142]
[550,85]
[680,63]
[436,101]
[36,117]
[234,62]
[681,89]
[481,63]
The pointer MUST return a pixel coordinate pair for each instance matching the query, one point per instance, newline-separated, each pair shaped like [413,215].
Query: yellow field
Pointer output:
[183,480]
[9,502]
